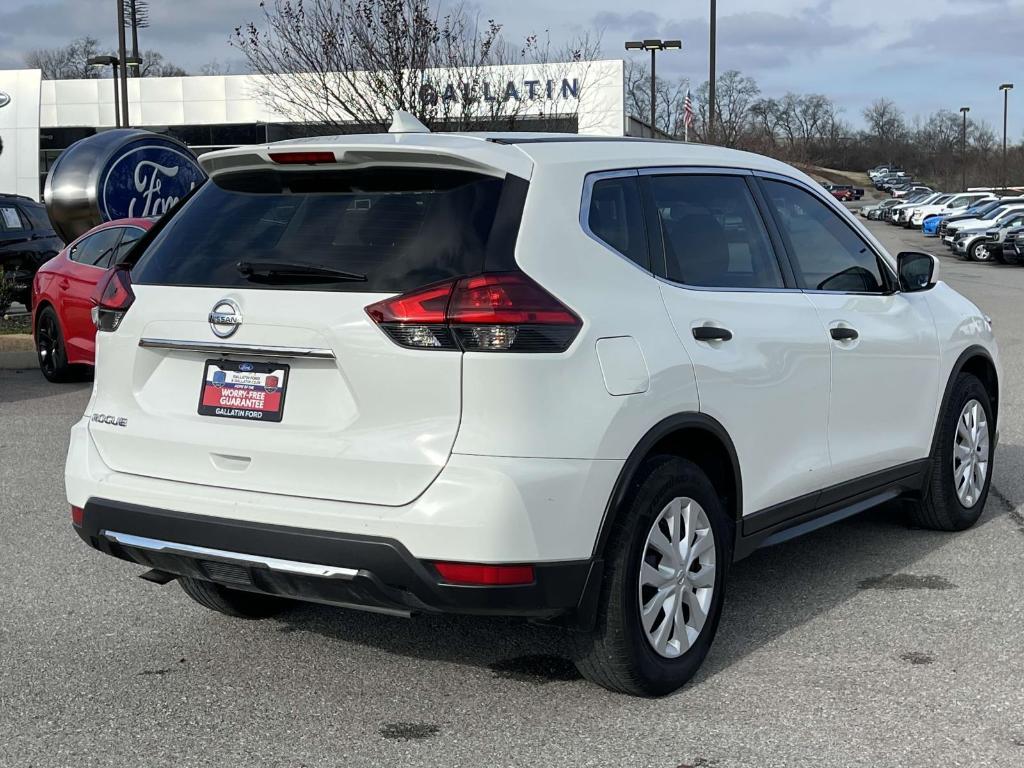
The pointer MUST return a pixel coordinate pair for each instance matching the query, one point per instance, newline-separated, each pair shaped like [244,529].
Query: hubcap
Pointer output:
[677,577]
[970,453]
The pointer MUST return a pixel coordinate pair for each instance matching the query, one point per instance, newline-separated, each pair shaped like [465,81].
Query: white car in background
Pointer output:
[428,373]
[900,213]
[957,204]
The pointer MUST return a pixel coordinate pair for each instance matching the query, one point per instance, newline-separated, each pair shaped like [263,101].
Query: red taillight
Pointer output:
[112,298]
[424,306]
[302,158]
[499,312]
[506,299]
[77,515]
[485,575]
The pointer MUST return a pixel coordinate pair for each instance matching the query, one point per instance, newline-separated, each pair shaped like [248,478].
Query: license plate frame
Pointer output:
[247,381]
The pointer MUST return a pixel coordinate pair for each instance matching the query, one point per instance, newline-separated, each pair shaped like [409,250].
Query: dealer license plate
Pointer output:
[243,390]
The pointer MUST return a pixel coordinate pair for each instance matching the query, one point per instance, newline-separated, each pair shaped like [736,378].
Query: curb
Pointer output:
[17,351]
[18,360]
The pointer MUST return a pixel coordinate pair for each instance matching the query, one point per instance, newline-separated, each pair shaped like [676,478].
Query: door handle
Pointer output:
[843,334]
[64,284]
[711,333]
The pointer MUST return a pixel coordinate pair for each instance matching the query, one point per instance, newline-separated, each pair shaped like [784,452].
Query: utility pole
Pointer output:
[123,60]
[711,75]
[654,46]
[1005,88]
[963,151]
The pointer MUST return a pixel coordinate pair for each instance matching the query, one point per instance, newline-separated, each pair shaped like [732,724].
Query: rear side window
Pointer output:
[616,217]
[713,233]
[401,228]
[96,250]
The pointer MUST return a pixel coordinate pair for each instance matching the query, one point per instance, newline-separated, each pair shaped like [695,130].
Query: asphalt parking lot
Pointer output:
[865,644]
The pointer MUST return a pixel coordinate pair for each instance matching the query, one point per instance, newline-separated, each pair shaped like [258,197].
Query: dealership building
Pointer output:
[40,118]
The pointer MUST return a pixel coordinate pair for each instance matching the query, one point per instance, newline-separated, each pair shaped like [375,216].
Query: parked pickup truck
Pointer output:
[845,192]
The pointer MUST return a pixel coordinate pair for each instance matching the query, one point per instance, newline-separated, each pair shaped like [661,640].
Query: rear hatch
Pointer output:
[315,400]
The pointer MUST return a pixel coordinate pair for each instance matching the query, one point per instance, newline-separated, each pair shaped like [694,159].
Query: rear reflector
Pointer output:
[77,515]
[112,298]
[498,312]
[302,158]
[485,575]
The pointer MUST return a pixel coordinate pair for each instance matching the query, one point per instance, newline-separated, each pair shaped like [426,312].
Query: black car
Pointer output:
[27,241]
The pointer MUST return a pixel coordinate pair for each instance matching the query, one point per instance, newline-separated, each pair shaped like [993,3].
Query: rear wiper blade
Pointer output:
[262,270]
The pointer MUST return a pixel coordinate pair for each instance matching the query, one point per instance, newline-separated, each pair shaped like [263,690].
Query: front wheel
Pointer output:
[664,583]
[979,251]
[961,464]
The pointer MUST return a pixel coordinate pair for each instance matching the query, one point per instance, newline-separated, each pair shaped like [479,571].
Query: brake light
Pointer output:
[498,312]
[112,298]
[77,516]
[302,158]
[473,574]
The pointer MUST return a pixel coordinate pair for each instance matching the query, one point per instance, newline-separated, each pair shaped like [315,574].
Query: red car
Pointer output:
[62,296]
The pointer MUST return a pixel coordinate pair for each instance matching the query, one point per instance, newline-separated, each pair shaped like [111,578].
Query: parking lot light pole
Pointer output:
[1005,88]
[110,61]
[713,43]
[963,151]
[654,46]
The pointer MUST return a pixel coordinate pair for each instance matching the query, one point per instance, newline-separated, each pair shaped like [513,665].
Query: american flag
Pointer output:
[688,110]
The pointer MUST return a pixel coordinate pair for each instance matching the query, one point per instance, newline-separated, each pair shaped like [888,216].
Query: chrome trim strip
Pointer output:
[227,348]
[273,563]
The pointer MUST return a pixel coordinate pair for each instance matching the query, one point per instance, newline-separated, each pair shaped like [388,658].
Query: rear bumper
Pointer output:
[365,572]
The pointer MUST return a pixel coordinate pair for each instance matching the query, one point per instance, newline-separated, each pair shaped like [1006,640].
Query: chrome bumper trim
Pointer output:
[227,348]
[273,563]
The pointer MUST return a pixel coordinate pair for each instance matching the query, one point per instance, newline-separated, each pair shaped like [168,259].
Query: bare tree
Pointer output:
[69,62]
[153,64]
[215,67]
[347,63]
[669,97]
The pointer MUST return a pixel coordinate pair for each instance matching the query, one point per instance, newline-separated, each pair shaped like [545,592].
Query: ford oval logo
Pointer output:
[225,318]
[4,99]
[146,177]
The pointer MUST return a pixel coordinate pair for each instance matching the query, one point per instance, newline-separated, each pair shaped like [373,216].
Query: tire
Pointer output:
[50,350]
[618,654]
[942,507]
[232,602]
[979,251]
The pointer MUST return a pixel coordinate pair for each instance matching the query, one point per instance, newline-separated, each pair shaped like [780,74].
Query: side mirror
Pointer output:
[917,271]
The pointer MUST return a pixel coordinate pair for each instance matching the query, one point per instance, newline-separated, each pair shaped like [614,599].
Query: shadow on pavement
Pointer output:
[770,593]
[18,386]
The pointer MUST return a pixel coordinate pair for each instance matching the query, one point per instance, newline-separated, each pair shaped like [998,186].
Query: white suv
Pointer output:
[555,377]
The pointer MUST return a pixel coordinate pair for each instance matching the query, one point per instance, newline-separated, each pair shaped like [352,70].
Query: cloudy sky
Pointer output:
[925,54]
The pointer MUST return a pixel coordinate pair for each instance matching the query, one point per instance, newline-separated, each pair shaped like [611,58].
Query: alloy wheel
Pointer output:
[971,453]
[47,343]
[677,577]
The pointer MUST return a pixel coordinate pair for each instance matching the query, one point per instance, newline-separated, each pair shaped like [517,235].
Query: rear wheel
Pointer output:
[50,350]
[232,602]
[664,584]
[961,465]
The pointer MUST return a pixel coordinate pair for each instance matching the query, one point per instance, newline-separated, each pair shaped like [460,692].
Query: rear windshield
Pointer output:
[400,228]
